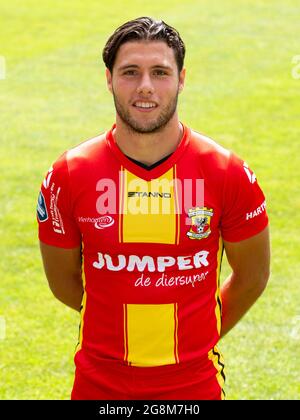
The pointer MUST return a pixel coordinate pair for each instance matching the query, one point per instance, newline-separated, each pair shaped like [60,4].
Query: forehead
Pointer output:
[145,53]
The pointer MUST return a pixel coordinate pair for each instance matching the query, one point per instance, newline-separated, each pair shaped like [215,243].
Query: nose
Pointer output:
[145,86]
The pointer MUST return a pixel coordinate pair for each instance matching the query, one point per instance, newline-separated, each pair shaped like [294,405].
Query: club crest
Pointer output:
[200,227]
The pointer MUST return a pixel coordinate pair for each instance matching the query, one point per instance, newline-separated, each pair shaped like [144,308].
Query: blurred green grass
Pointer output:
[239,90]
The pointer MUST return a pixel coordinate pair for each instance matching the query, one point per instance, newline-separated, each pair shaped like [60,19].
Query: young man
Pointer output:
[132,227]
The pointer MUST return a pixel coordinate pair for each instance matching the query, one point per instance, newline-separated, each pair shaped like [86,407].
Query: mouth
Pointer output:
[145,106]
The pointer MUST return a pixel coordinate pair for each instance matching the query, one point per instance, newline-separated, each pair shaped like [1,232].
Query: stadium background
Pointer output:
[242,89]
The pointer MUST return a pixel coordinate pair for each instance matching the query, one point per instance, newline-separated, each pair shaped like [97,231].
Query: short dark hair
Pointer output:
[140,29]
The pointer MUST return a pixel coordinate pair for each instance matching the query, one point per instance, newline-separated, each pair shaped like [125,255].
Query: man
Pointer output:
[132,227]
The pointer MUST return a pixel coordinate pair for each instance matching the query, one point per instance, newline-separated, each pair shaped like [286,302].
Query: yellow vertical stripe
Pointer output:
[149,209]
[176,205]
[82,309]
[217,359]
[150,334]
[125,333]
[121,201]
[218,295]
[176,333]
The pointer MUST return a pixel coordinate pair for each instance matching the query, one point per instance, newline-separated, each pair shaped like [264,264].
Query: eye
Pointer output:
[130,72]
[160,72]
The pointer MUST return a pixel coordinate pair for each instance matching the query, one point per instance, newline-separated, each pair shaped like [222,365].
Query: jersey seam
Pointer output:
[225,185]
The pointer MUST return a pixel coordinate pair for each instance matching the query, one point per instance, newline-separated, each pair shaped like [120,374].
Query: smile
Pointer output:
[145,105]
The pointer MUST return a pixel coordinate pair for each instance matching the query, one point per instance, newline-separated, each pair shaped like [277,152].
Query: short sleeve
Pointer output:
[244,204]
[56,224]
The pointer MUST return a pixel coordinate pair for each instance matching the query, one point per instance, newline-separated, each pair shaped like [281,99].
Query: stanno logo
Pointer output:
[148,194]
[104,222]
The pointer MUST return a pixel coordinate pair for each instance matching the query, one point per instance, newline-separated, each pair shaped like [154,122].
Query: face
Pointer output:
[145,84]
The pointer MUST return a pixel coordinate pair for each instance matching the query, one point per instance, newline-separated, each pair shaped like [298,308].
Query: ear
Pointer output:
[181,80]
[109,79]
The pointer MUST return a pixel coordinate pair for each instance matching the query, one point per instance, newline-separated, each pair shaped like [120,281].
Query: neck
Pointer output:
[148,148]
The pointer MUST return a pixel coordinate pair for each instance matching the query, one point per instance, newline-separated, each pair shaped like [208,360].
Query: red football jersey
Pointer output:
[151,243]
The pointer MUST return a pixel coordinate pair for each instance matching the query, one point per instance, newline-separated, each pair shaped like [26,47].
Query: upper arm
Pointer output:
[57,224]
[61,265]
[250,258]
[60,236]
[244,206]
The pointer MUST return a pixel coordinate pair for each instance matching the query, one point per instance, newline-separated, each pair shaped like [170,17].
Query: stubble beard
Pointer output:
[153,126]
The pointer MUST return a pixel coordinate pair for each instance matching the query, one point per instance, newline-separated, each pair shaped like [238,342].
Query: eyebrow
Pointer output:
[135,66]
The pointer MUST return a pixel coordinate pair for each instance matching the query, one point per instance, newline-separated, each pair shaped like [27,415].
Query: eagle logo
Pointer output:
[200,226]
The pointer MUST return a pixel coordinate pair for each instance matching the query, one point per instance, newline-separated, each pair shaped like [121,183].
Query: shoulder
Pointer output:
[215,154]
[81,155]
[207,144]
[220,164]
[209,152]
[87,150]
